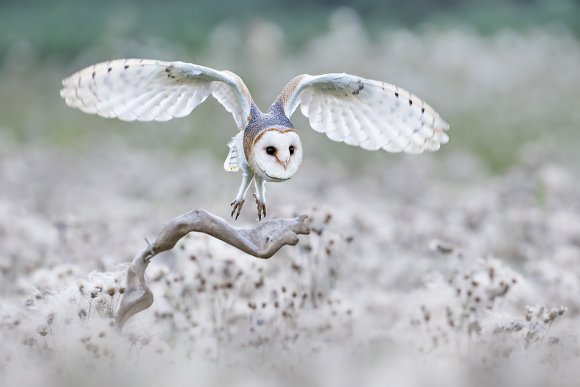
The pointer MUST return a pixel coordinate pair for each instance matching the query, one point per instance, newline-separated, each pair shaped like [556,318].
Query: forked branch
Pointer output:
[262,241]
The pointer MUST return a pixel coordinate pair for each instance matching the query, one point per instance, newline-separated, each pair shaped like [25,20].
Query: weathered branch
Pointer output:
[263,241]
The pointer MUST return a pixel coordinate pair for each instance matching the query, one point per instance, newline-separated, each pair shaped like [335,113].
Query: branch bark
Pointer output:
[262,241]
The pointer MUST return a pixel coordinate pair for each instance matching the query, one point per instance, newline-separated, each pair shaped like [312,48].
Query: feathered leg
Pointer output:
[239,200]
[260,197]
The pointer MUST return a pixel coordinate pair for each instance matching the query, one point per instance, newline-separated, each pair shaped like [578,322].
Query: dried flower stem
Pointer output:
[262,241]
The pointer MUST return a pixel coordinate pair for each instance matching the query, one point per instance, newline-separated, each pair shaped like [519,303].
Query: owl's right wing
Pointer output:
[152,90]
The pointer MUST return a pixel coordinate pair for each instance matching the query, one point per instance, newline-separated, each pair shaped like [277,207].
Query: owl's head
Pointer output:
[277,154]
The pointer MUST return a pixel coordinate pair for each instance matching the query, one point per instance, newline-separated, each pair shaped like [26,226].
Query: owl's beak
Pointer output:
[283,163]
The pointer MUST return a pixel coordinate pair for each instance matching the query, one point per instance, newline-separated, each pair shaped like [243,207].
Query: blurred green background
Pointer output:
[504,74]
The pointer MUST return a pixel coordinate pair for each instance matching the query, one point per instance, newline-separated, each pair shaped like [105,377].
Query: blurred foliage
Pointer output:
[63,28]
[485,66]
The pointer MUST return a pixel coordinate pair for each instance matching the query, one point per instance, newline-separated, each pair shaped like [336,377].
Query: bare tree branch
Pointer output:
[262,241]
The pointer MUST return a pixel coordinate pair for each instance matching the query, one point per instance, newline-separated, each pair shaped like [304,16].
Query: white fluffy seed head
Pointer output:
[276,154]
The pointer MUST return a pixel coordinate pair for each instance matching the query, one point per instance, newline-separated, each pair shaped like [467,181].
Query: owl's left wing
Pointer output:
[370,114]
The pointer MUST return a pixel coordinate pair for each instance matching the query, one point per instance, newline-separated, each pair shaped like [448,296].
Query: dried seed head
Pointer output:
[441,247]
[553,340]
[327,218]
[297,268]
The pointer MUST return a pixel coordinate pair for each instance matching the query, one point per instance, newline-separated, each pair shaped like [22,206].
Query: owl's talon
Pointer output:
[237,208]
[261,208]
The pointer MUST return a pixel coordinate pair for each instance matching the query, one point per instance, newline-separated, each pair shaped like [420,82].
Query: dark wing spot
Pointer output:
[396,94]
[126,67]
[109,69]
[94,73]
[410,102]
[360,87]
[419,128]
[422,110]
[167,69]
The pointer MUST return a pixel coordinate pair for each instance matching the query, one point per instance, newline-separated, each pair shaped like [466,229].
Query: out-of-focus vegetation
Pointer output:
[503,73]
[64,28]
[396,284]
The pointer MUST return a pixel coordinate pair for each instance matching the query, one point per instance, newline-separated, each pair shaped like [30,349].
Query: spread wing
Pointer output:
[152,90]
[370,114]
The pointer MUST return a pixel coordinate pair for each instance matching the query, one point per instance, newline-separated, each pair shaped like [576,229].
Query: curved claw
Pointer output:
[237,208]
[261,208]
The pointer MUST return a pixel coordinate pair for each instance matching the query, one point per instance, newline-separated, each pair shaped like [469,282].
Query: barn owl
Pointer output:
[357,111]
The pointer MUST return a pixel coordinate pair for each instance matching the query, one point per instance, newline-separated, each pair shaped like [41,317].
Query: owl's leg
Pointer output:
[239,200]
[260,197]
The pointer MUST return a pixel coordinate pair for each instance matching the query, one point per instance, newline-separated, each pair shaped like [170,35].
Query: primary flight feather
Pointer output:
[346,108]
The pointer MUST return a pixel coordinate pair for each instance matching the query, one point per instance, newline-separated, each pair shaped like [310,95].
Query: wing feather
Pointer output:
[313,110]
[348,136]
[327,124]
[152,90]
[355,127]
[366,113]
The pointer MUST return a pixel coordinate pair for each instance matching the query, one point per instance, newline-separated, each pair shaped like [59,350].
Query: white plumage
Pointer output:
[346,108]
[152,90]
[235,158]
[370,114]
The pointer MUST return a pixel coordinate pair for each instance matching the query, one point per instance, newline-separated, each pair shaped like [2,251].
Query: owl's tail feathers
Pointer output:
[231,163]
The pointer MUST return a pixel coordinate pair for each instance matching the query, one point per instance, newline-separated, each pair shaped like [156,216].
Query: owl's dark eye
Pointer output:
[291,149]
[270,150]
